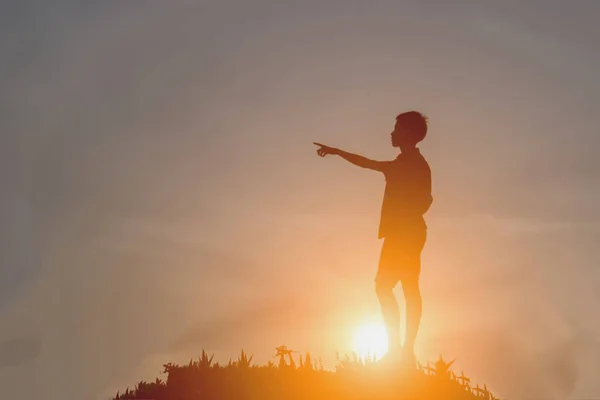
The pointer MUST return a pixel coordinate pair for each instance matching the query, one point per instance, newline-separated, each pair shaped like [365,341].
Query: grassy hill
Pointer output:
[352,379]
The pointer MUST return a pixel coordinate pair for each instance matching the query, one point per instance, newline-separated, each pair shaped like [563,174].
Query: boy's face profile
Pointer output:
[400,135]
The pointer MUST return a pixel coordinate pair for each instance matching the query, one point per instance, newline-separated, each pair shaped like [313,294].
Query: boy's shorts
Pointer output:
[400,258]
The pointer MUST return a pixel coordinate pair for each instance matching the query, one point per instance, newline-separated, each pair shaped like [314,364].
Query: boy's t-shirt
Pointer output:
[407,195]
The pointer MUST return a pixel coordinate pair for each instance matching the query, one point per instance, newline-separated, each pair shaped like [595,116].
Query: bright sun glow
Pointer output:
[371,340]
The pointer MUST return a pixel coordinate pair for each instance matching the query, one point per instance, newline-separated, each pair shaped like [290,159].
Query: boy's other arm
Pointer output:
[422,188]
[355,159]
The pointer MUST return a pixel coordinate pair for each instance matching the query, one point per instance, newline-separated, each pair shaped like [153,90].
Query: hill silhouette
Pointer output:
[353,378]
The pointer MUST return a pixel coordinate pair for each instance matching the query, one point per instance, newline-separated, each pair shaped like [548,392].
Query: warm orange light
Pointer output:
[371,341]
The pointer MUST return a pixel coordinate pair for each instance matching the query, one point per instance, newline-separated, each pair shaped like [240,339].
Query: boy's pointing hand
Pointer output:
[323,150]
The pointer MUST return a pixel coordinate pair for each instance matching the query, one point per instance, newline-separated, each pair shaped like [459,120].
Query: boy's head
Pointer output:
[410,129]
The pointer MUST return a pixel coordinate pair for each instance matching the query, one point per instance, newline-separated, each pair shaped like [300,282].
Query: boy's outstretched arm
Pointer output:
[355,159]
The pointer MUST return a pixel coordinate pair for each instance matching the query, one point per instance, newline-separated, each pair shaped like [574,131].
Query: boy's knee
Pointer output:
[411,289]
[383,288]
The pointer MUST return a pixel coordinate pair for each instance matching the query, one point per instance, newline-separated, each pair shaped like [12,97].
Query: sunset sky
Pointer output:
[161,193]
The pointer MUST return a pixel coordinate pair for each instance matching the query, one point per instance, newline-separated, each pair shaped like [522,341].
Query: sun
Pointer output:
[371,340]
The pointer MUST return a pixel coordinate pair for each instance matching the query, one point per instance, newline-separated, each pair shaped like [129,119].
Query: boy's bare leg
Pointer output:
[391,315]
[414,310]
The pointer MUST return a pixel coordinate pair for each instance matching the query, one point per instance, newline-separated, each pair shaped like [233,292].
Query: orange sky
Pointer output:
[162,193]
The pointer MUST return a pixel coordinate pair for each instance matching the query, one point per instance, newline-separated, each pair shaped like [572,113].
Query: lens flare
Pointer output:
[371,341]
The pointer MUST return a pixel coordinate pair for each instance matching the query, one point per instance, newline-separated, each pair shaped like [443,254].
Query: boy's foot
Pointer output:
[409,360]
[392,359]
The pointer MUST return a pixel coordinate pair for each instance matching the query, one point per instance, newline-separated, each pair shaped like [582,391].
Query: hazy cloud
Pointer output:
[155,157]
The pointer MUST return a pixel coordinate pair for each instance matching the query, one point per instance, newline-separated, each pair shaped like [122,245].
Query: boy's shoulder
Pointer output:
[413,157]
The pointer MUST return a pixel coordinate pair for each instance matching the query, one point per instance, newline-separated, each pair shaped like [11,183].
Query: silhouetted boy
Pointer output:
[406,199]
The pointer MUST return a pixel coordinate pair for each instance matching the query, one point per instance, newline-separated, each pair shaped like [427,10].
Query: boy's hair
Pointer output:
[415,122]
